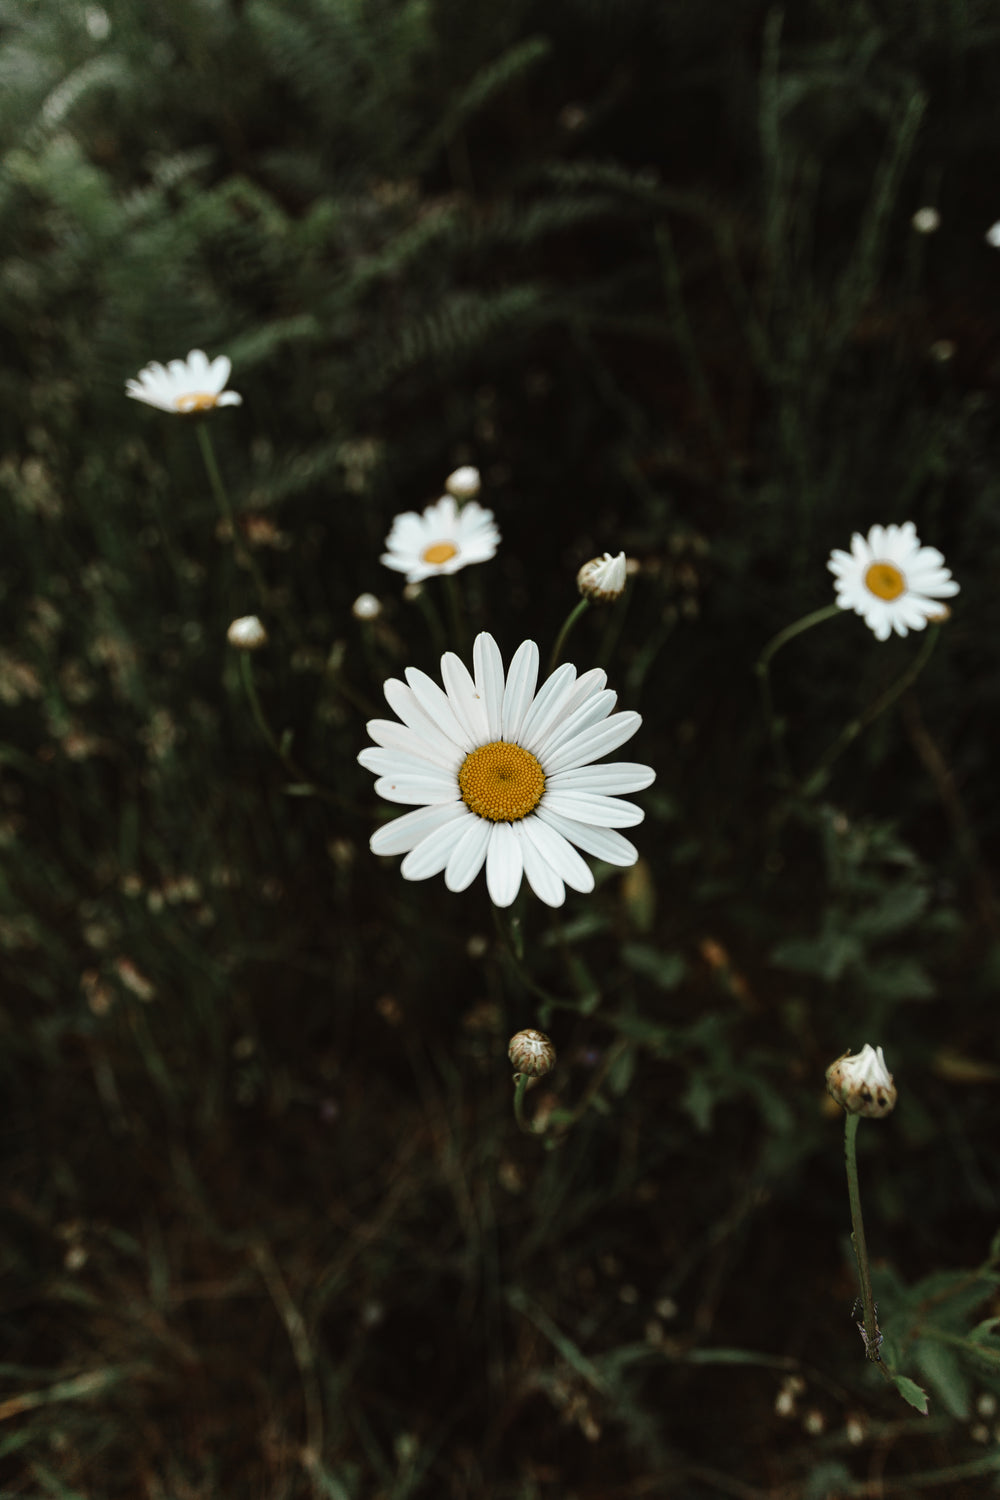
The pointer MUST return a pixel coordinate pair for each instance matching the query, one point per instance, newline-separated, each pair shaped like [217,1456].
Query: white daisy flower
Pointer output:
[443,540]
[185,385]
[891,580]
[503,775]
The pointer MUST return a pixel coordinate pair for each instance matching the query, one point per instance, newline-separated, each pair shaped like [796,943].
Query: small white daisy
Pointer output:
[890,580]
[443,540]
[185,385]
[503,775]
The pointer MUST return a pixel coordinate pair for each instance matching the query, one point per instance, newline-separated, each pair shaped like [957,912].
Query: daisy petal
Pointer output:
[405,833]
[616,777]
[538,872]
[522,675]
[592,807]
[466,859]
[592,743]
[464,698]
[551,846]
[408,786]
[430,856]
[602,843]
[488,665]
[504,865]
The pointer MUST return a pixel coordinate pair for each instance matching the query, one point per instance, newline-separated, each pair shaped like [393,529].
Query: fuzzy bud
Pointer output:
[532,1053]
[862,1084]
[366,607]
[926,220]
[602,580]
[463,483]
[247,633]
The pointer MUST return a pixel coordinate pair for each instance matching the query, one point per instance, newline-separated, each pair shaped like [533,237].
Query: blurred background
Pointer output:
[268,1227]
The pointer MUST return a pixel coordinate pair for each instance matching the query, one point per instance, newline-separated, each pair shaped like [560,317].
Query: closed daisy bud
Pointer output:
[862,1084]
[532,1053]
[247,633]
[463,483]
[602,580]
[366,607]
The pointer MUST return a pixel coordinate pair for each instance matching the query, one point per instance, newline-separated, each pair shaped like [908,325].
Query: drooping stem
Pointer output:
[885,700]
[521,1081]
[873,1337]
[763,670]
[563,635]
[243,554]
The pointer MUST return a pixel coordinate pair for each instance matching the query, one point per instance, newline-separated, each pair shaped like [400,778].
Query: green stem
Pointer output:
[563,635]
[851,731]
[873,1337]
[243,555]
[763,670]
[305,785]
[520,1088]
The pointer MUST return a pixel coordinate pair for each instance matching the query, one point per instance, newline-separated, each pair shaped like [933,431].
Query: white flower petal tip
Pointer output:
[502,774]
[891,581]
[185,386]
[444,539]
[992,235]
[862,1084]
[602,579]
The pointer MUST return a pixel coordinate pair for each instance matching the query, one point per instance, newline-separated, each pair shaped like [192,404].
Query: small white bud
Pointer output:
[366,607]
[247,633]
[862,1084]
[926,220]
[531,1052]
[992,235]
[464,483]
[943,350]
[602,579]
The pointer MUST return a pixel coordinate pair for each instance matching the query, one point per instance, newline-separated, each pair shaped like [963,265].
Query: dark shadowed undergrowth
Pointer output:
[269,1228]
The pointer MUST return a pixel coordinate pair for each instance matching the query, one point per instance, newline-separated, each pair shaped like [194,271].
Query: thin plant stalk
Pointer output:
[243,554]
[763,670]
[873,1337]
[885,700]
[563,635]
[305,786]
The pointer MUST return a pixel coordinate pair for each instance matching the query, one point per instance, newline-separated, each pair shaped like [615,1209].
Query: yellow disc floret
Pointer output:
[885,581]
[501,781]
[196,402]
[438,552]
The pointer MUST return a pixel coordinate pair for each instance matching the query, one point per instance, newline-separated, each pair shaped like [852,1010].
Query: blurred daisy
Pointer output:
[504,776]
[443,540]
[891,580]
[185,385]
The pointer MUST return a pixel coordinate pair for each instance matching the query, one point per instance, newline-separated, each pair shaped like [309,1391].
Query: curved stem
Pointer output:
[305,785]
[873,1337]
[885,700]
[563,635]
[521,1081]
[763,670]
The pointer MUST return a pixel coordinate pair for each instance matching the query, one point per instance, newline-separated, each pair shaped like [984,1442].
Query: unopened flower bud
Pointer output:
[532,1053]
[862,1084]
[463,483]
[602,580]
[366,607]
[247,633]
[926,220]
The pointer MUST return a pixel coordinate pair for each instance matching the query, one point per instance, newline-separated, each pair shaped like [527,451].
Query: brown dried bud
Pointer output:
[532,1053]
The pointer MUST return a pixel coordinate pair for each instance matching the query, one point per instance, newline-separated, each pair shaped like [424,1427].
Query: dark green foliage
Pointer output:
[268,1227]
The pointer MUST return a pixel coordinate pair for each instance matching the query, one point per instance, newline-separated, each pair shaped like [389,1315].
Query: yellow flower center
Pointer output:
[500,781]
[439,552]
[885,581]
[195,402]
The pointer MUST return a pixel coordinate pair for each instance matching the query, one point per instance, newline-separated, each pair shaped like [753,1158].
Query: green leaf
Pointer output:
[665,969]
[943,1370]
[911,1392]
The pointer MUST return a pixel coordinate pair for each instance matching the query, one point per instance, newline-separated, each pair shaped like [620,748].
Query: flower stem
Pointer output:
[763,670]
[243,555]
[305,786]
[873,1337]
[521,1081]
[563,635]
[851,731]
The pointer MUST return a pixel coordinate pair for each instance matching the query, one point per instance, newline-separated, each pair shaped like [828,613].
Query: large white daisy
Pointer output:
[503,775]
[442,540]
[185,385]
[890,580]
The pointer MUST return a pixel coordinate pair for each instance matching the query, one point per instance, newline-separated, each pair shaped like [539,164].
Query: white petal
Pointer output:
[488,665]
[434,702]
[397,764]
[522,676]
[586,684]
[539,874]
[466,859]
[218,373]
[592,743]
[229,398]
[430,856]
[403,701]
[464,698]
[546,707]
[593,710]
[592,807]
[603,843]
[411,787]
[405,833]
[559,855]
[504,865]
[617,777]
